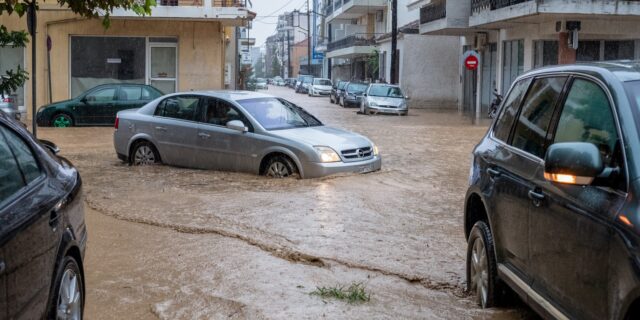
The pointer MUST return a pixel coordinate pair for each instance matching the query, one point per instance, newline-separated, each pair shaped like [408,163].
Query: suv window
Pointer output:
[587,117]
[535,116]
[180,107]
[510,109]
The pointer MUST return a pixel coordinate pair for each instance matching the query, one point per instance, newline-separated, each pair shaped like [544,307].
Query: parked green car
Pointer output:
[97,106]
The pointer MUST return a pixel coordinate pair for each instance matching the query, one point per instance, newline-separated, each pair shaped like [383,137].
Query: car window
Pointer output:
[277,114]
[26,160]
[102,95]
[535,116]
[178,107]
[587,117]
[148,94]
[130,93]
[504,123]
[357,87]
[342,85]
[385,91]
[220,112]
[11,180]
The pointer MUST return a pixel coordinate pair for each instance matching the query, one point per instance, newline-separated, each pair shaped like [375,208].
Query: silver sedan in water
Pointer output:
[239,131]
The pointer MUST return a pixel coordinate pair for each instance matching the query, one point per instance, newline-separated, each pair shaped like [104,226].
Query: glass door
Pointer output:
[163,66]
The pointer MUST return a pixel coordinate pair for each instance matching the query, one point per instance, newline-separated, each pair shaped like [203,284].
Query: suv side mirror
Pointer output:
[577,163]
[50,145]
[237,125]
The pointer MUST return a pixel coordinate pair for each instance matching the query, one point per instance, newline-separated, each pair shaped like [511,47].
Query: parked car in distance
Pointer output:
[42,234]
[261,84]
[239,131]
[384,98]
[279,82]
[96,106]
[337,90]
[8,106]
[304,81]
[352,95]
[292,83]
[320,87]
[553,206]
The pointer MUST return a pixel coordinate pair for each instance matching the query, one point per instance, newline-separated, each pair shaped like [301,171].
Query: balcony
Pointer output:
[359,44]
[353,9]
[507,13]
[229,12]
[449,18]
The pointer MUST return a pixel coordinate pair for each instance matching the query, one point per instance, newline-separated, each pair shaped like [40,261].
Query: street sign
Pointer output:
[471,62]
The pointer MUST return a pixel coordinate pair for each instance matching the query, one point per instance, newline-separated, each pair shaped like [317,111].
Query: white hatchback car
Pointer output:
[320,87]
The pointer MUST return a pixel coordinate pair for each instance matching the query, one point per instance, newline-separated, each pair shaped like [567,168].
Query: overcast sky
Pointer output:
[268,10]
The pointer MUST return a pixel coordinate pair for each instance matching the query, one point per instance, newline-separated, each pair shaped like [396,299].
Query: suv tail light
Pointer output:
[8,100]
[117,123]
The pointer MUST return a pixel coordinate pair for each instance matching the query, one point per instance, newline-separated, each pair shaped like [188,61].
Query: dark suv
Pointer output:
[42,229]
[552,210]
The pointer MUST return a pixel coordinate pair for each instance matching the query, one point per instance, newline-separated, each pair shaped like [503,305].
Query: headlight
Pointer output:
[375,150]
[327,154]
[373,104]
[403,105]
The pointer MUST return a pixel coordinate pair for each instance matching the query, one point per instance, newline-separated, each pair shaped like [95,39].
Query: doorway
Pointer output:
[162,59]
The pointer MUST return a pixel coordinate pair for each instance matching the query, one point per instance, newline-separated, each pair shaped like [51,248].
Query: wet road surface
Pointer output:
[175,243]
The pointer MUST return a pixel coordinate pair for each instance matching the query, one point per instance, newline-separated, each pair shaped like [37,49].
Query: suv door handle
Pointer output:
[161,128]
[493,172]
[204,135]
[537,197]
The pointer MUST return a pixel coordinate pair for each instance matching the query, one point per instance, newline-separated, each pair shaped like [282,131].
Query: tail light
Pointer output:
[8,100]
[117,123]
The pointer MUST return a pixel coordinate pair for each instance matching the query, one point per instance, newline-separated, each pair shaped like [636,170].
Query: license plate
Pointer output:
[365,169]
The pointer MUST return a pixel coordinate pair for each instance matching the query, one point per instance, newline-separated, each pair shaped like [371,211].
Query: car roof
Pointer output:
[623,70]
[228,94]
[385,85]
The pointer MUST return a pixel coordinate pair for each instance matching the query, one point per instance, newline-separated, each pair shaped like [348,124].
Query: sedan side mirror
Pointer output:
[237,125]
[407,98]
[576,163]
[51,146]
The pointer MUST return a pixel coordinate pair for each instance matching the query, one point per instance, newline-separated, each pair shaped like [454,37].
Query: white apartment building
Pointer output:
[514,36]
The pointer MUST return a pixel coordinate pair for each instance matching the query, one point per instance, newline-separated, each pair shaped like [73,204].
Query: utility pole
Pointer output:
[32,24]
[308,39]
[394,41]
[289,55]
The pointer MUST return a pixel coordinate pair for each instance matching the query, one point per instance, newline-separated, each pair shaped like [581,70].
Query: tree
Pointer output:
[11,80]
[276,68]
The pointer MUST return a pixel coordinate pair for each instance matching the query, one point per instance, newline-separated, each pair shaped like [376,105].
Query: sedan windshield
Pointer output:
[322,82]
[385,91]
[278,114]
[357,87]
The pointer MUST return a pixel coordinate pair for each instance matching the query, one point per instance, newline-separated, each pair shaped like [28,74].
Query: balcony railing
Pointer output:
[200,3]
[433,12]
[482,5]
[356,40]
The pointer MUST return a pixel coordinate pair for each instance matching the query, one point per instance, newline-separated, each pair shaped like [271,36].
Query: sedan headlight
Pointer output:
[373,104]
[375,150]
[403,105]
[327,154]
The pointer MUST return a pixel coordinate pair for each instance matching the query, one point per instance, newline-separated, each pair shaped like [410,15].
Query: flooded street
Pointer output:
[174,243]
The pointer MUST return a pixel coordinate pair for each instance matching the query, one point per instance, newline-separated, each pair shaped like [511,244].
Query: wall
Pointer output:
[201,46]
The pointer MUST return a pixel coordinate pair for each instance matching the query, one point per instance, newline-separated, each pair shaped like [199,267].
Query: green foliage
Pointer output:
[12,39]
[13,80]
[374,64]
[354,293]
[276,68]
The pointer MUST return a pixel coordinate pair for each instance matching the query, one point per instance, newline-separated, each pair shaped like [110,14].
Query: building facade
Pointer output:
[182,46]
[291,29]
[514,36]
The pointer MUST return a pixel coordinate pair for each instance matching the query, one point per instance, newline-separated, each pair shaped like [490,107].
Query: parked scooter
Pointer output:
[495,104]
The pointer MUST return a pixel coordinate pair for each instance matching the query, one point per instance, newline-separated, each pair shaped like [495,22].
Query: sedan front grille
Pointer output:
[357,154]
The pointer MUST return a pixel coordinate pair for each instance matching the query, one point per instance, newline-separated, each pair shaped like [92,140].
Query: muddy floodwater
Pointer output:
[174,243]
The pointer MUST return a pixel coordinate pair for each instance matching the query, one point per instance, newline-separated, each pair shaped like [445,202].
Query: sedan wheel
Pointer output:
[67,303]
[145,154]
[62,121]
[279,167]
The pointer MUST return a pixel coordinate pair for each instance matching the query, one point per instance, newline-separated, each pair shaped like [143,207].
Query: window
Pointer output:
[102,95]
[512,62]
[148,94]
[27,162]
[535,117]
[588,51]
[619,50]
[130,93]
[276,114]
[546,53]
[220,112]
[510,109]
[10,176]
[587,117]
[180,107]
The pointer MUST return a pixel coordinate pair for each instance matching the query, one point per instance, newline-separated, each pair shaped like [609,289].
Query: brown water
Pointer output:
[191,244]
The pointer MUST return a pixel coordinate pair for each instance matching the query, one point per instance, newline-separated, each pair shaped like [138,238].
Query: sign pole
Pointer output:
[32,25]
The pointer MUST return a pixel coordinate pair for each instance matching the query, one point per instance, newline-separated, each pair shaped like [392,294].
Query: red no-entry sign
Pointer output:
[471,62]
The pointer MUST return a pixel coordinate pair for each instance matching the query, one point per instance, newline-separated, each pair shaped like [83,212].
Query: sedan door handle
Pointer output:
[493,173]
[161,128]
[204,135]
